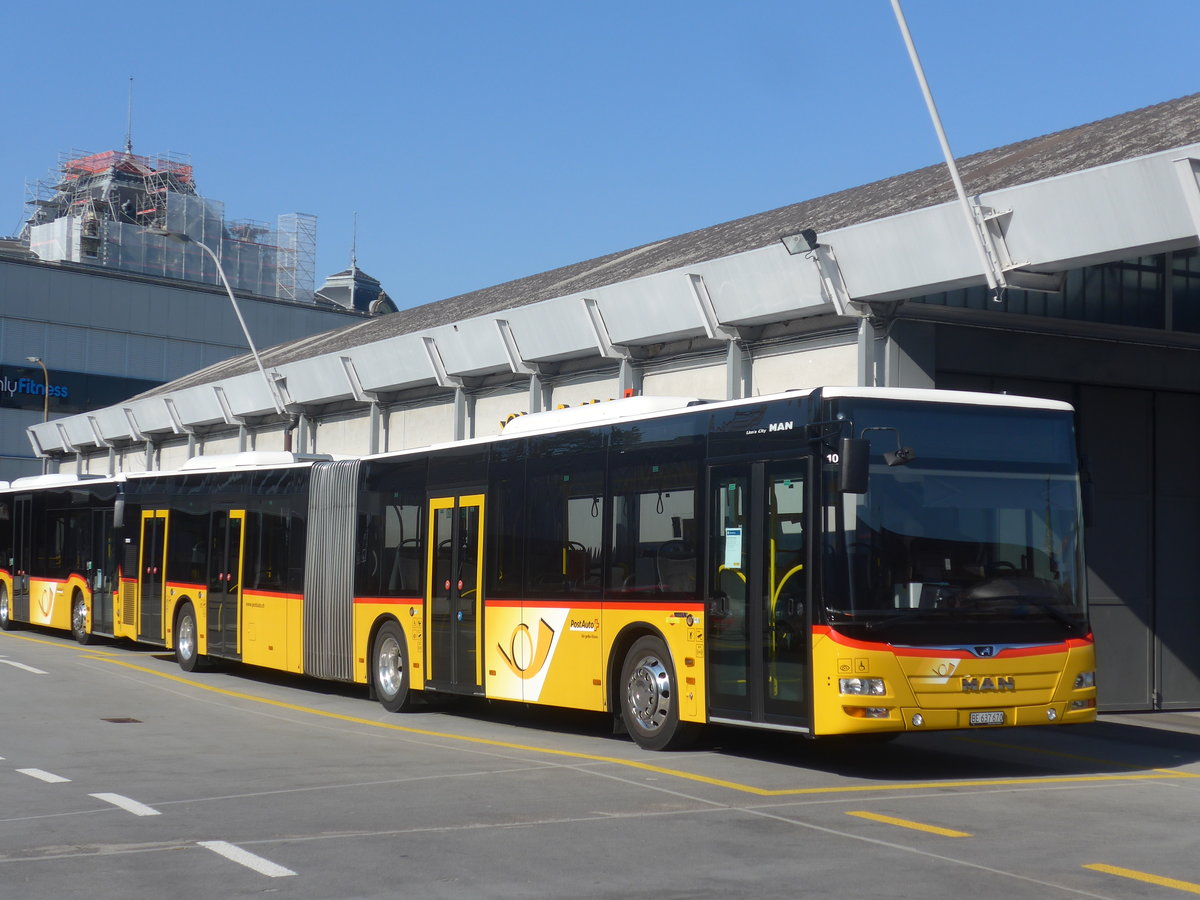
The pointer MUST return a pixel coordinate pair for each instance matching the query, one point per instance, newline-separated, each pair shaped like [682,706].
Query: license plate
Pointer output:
[987,718]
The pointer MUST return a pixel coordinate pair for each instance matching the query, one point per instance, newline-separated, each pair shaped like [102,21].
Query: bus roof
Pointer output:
[925,395]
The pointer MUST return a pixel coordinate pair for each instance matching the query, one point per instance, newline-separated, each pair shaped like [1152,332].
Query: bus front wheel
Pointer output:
[389,670]
[650,698]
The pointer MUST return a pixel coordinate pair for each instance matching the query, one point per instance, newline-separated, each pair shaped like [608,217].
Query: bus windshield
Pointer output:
[974,534]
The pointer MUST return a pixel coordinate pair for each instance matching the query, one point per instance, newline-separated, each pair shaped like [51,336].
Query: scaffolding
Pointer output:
[97,209]
[297,241]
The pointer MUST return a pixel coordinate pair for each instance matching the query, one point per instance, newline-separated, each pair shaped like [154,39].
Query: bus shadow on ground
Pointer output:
[1095,749]
[1099,749]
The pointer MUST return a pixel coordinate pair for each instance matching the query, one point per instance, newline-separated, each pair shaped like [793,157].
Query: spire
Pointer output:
[129,120]
[353,259]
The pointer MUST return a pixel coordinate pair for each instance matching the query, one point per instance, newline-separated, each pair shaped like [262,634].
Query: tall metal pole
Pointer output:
[988,270]
[184,238]
[45,387]
[45,402]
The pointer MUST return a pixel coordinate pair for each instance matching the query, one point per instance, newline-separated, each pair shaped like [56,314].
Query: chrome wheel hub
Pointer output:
[186,639]
[79,616]
[649,693]
[389,667]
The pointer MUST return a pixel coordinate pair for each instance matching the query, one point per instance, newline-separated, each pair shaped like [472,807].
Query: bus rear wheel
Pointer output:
[79,613]
[187,639]
[6,622]
[389,669]
[650,698]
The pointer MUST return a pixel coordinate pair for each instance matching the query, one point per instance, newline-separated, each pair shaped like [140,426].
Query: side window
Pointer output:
[77,540]
[653,536]
[52,551]
[505,545]
[565,527]
[187,550]
[390,554]
[400,565]
[266,558]
[297,550]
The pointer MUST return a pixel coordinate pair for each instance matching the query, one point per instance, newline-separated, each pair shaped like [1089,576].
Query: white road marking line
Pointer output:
[247,859]
[48,777]
[17,665]
[138,809]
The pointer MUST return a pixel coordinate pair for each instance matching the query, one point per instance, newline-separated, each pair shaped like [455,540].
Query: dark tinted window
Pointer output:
[653,532]
[390,555]
[187,544]
[505,546]
[564,516]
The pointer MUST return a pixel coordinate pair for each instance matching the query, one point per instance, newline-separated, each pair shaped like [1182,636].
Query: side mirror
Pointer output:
[854,459]
[119,513]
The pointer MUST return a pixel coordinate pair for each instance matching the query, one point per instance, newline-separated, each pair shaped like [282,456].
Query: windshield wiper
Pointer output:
[894,617]
[1050,608]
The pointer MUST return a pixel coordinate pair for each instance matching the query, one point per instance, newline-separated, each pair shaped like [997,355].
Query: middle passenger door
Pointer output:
[454,630]
[225,582]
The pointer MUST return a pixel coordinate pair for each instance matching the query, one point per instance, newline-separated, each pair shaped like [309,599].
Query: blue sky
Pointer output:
[480,142]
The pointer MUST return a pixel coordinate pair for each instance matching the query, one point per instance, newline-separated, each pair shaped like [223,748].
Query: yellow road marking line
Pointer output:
[635,764]
[1185,886]
[60,644]
[908,823]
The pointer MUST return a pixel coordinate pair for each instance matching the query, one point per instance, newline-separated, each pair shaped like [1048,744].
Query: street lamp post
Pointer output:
[185,239]
[45,387]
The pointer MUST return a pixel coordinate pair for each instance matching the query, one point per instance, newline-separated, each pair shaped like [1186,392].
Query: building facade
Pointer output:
[113,287]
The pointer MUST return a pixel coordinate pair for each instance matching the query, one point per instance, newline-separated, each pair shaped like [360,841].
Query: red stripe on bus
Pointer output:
[1009,652]
[658,606]
[277,595]
[543,603]
[404,601]
[178,585]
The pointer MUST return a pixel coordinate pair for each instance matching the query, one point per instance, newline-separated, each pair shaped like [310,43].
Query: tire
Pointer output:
[650,698]
[187,639]
[6,620]
[389,669]
[79,613]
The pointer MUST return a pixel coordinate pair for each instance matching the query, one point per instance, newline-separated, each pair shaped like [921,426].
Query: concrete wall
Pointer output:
[492,409]
[584,389]
[211,445]
[806,366]
[705,379]
[419,424]
[348,433]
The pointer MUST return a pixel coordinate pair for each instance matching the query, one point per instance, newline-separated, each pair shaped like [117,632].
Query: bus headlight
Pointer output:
[1085,680]
[871,686]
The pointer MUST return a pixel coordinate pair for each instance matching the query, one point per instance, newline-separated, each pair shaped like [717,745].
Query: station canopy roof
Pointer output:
[1152,129]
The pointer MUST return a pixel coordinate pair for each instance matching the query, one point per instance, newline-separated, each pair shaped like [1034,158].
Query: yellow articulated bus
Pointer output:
[842,561]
